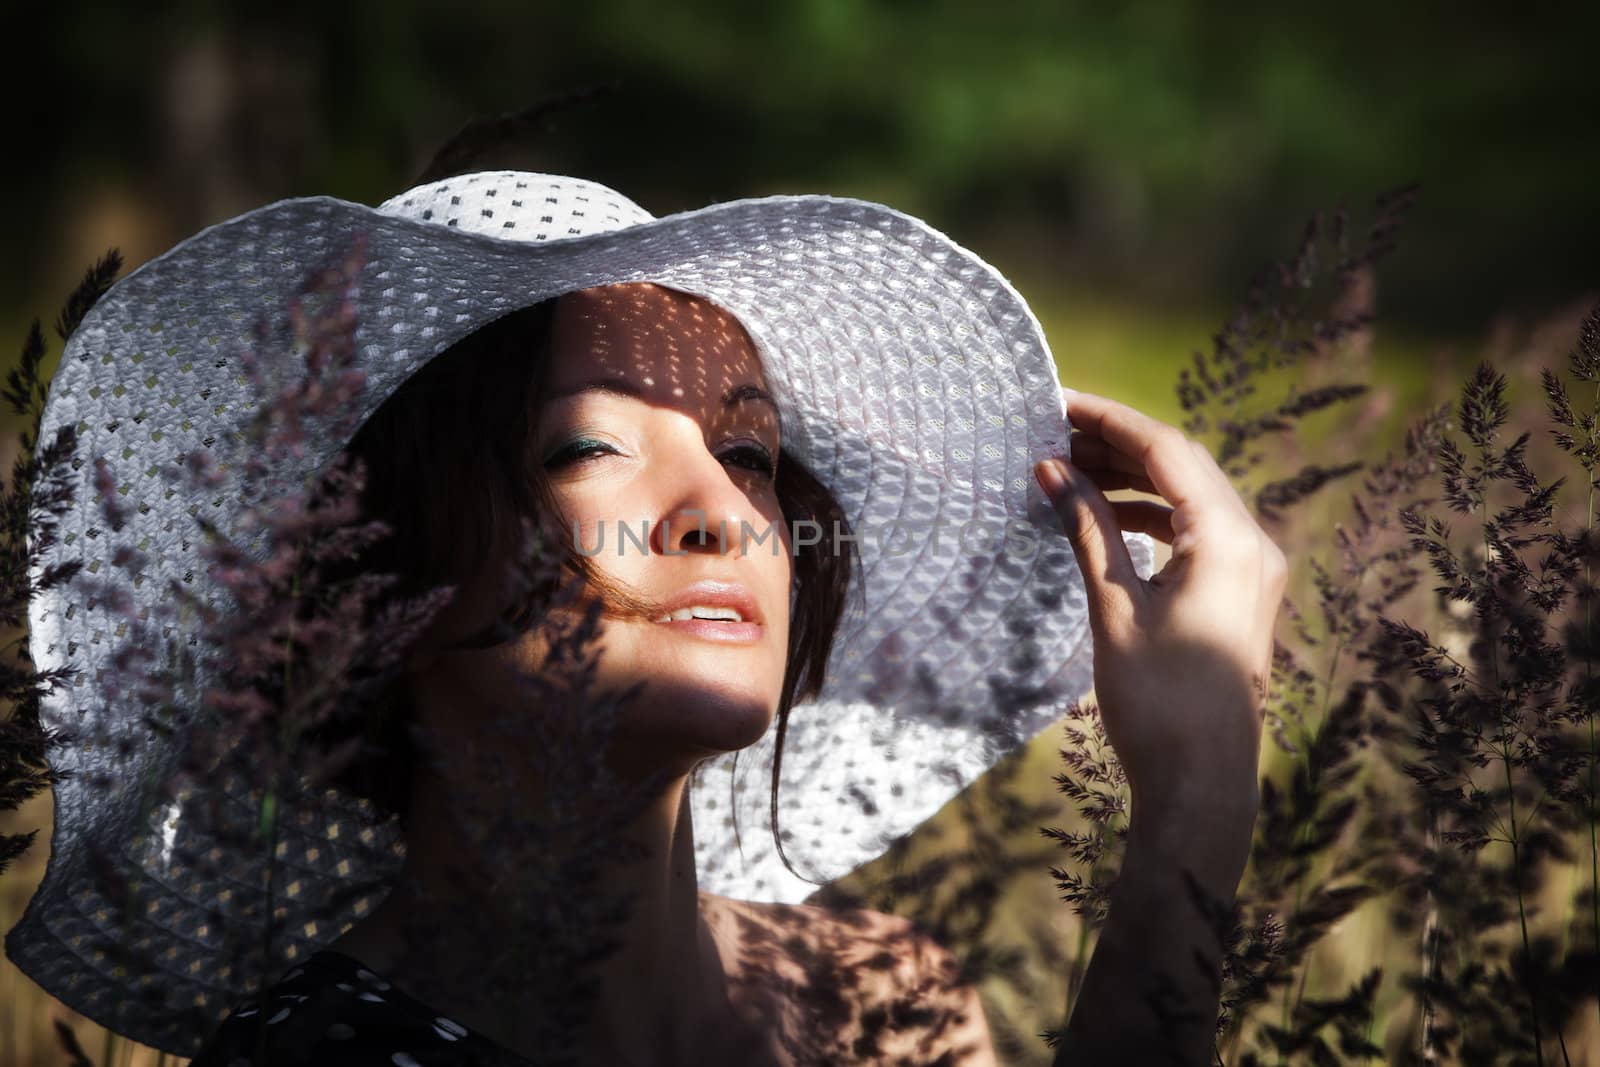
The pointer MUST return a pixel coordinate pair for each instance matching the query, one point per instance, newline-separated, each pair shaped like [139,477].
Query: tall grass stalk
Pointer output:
[1477,747]
[1480,499]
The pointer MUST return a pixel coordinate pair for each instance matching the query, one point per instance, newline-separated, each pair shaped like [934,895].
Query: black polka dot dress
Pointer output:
[332,1010]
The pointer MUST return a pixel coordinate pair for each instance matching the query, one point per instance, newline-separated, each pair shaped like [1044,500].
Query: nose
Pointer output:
[705,512]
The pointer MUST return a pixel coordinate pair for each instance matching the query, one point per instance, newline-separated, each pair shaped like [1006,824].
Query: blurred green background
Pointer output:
[1144,156]
[1129,166]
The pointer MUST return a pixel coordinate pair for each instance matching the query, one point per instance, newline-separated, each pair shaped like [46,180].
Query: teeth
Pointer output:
[699,612]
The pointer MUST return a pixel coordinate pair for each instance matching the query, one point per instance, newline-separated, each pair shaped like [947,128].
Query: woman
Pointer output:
[656,405]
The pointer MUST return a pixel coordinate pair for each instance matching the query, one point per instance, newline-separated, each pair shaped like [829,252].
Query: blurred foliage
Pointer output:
[1157,149]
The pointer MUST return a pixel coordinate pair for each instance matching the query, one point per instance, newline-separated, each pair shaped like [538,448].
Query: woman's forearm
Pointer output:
[1151,991]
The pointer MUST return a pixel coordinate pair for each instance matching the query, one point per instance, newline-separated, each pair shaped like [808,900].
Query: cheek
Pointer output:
[587,520]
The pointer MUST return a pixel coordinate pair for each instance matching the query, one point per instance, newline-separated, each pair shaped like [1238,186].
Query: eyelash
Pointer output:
[584,448]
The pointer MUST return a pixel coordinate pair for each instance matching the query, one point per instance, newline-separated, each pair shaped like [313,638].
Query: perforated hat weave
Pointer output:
[913,381]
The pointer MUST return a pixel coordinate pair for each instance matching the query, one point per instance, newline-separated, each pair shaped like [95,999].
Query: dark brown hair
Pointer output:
[448,469]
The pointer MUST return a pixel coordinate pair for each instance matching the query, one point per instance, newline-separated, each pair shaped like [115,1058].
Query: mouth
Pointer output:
[711,623]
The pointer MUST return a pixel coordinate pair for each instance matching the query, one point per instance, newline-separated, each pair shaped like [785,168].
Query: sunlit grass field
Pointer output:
[1133,356]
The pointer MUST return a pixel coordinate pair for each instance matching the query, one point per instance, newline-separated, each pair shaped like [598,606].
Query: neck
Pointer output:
[499,929]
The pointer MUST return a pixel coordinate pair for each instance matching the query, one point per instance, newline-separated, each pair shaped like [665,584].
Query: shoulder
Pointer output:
[884,987]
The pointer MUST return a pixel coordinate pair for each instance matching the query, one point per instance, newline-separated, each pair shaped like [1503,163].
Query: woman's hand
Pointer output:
[1181,661]
[1181,664]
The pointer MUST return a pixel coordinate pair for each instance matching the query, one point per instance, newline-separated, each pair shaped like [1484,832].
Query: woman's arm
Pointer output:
[1150,993]
[1181,663]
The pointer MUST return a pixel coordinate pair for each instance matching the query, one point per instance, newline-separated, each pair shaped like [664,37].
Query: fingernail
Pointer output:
[1066,495]
[1054,478]
[1049,477]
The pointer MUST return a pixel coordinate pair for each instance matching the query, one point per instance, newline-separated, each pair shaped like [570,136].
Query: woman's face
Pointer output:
[654,414]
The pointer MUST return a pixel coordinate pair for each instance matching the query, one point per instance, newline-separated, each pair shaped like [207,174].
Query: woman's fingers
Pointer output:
[1153,457]
[1144,516]
[1108,468]
[1111,581]
[1157,450]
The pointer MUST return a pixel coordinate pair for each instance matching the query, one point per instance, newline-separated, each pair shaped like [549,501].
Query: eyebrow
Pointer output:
[749,391]
[624,387]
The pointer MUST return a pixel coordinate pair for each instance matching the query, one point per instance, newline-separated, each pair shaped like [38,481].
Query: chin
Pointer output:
[698,699]
[694,719]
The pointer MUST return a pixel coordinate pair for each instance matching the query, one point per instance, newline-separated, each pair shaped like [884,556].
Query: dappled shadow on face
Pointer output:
[626,361]
[665,347]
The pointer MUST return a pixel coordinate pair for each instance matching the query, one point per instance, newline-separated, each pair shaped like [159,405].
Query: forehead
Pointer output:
[652,337]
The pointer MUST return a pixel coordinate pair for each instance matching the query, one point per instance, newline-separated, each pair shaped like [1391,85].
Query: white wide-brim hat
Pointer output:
[912,379]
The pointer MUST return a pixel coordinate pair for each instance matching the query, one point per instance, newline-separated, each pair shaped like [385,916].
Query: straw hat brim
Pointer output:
[913,380]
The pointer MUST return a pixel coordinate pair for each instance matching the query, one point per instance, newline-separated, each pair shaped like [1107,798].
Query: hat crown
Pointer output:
[515,205]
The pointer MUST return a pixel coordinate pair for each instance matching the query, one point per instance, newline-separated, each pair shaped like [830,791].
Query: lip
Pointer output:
[716,594]
[734,633]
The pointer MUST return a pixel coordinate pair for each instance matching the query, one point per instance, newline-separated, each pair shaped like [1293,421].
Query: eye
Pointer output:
[572,451]
[752,457]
